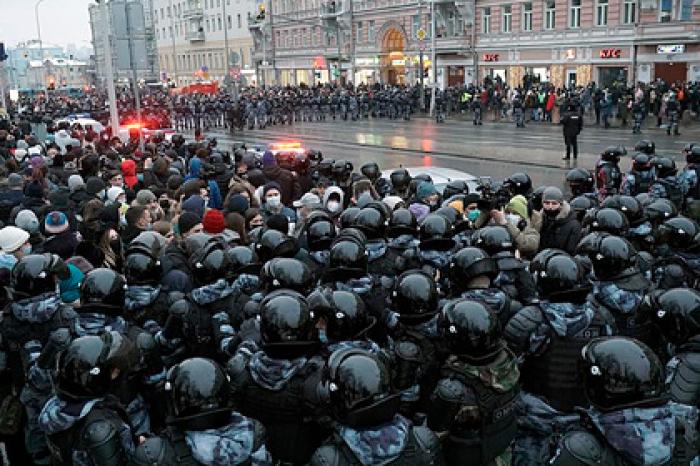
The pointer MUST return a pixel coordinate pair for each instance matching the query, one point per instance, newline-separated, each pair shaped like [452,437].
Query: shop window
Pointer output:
[527,16]
[629,12]
[486,21]
[550,14]
[575,14]
[507,18]
[666,11]
[415,25]
[601,13]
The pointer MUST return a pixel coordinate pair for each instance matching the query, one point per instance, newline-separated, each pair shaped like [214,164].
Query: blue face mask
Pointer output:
[473,215]
[322,335]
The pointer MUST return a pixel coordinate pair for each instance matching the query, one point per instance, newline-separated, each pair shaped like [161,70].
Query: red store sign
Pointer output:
[490,57]
[610,53]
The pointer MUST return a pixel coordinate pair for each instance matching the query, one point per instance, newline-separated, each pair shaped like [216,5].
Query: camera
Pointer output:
[493,196]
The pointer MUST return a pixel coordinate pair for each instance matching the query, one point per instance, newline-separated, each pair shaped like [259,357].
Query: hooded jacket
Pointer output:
[327,195]
[289,188]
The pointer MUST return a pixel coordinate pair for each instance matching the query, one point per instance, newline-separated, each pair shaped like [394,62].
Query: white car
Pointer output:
[84,122]
[440,176]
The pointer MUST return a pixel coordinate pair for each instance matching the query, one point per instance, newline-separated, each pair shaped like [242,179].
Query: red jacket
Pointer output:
[550,102]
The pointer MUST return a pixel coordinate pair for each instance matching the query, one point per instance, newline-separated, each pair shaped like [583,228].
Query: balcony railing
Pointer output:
[193,12]
[195,36]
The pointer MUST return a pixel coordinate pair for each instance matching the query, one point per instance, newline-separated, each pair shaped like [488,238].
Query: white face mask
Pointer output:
[333,206]
[26,249]
[513,219]
[274,201]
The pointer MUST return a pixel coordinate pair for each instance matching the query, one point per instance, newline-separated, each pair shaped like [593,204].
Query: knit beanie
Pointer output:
[269,186]
[187,221]
[553,193]
[11,238]
[56,223]
[425,189]
[27,221]
[75,182]
[194,204]
[213,222]
[278,222]
[14,180]
[268,159]
[94,185]
[145,197]
[518,204]
[113,193]
[34,189]
[238,203]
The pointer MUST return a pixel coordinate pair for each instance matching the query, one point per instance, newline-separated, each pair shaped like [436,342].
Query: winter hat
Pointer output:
[187,221]
[553,193]
[420,211]
[113,193]
[59,200]
[20,154]
[238,203]
[268,159]
[70,287]
[518,204]
[27,221]
[278,222]
[129,171]
[174,182]
[194,204]
[308,200]
[37,161]
[213,221]
[269,186]
[392,202]
[75,182]
[94,185]
[56,222]
[22,144]
[145,197]
[425,189]
[34,189]
[12,238]
[14,181]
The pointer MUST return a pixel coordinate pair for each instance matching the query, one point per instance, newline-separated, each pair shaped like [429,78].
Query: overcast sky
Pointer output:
[62,21]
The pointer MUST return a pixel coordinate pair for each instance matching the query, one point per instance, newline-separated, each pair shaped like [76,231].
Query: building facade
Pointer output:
[19,58]
[578,41]
[561,41]
[192,35]
[362,41]
[58,73]
[131,39]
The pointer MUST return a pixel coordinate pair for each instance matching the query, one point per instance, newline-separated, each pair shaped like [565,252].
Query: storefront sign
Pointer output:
[670,49]
[398,62]
[367,61]
[319,63]
[610,53]
[570,54]
[490,57]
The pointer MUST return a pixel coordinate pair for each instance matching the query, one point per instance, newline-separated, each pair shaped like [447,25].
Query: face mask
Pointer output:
[101,194]
[513,219]
[473,215]
[322,335]
[552,213]
[274,201]
[26,249]
[333,206]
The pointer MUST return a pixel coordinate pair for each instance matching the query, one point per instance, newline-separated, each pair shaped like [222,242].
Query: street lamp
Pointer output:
[41,44]
[109,73]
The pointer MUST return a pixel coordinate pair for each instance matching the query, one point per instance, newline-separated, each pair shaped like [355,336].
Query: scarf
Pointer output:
[377,445]
[274,374]
[230,444]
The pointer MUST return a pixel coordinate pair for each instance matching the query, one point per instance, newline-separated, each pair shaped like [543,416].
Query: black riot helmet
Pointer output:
[85,367]
[455,187]
[493,240]
[679,233]
[628,205]
[415,297]
[371,222]
[36,274]
[402,222]
[692,153]
[209,265]
[621,372]
[559,274]
[344,313]
[609,220]
[320,231]
[282,272]
[197,390]
[519,183]
[347,217]
[580,181]
[588,245]
[198,241]
[642,162]
[471,330]
[103,287]
[612,256]
[371,171]
[665,167]
[469,263]
[613,153]
[242,259]
[349,258]
[400,180]
[536,199]
[581,205]
[352,234]
[286,325]
[645,147]
[341,171]
[148,242]
[435,233]
[142,269]
[677,313]
[660,210]
[274,243]
[358,386]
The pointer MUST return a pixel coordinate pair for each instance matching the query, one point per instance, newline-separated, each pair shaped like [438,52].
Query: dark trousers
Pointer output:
[571,144]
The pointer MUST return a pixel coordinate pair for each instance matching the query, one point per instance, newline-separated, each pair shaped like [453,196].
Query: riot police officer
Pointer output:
[641,176]
[608,174]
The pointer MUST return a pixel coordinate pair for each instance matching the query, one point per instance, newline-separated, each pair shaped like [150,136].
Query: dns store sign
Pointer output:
[610,53]
[490,57]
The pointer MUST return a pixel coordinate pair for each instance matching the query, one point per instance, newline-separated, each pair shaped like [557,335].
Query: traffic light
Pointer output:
[3,56]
